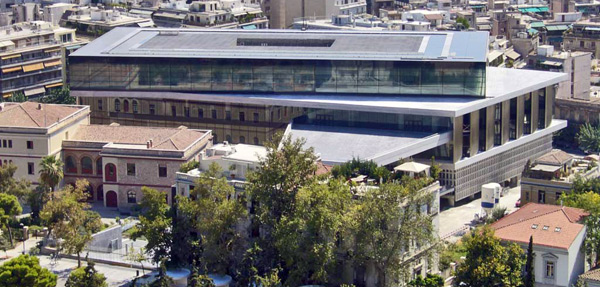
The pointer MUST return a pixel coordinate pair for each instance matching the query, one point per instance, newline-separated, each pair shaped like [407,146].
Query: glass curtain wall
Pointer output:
[279,76]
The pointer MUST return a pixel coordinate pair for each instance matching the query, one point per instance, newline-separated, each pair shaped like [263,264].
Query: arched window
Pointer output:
[117,105]
[256,141]
[99,166]
[70,165]
[242,139]
[135,107]
[110,172]
[126,106]
[131,197]
[87,166]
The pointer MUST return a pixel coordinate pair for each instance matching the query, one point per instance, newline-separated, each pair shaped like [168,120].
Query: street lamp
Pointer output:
[22,230]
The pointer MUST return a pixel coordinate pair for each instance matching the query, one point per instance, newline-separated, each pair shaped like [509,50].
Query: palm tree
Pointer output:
[51,171]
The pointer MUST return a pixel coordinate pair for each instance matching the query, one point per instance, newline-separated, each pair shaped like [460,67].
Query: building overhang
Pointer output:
[502,84]
[337,145]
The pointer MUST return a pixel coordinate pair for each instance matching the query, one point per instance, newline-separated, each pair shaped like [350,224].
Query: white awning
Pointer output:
[6,43]
[546,167]
[35,91]
[412,167]
[512,54]
[145,24]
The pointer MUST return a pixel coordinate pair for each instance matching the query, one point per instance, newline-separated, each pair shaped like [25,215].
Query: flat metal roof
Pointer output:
[337,145]
[289,44]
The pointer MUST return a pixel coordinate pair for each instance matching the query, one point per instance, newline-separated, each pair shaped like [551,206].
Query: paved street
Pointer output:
[115,275]
[457,217]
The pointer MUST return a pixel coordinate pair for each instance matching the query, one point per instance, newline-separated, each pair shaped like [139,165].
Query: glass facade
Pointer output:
[279,76]
[373,120]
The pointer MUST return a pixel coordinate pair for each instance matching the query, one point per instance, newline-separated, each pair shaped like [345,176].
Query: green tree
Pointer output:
[306,239]
[9,208]
[464,22]
[162,280]
[431,280]
[66,216]
[387,220]
[529,264]
[137,256]
[287,167]
[590,202]
[214,213]
[588,138]
[435,169]
[51,171]
[488,262]
[155,224]
[185,167]
[25,271]
[86,277]
[59,96]
[10,185]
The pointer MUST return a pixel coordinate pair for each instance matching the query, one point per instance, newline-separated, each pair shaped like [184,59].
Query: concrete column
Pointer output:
[550,96]
[489,129]
[505,121]
[474,132]
[520,115]
[457,139]
[535,109]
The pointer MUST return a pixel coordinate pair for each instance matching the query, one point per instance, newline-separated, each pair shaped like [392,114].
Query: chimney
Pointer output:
[39,106]
[150,143]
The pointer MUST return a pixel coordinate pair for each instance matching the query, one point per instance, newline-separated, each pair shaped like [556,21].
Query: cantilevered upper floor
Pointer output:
[283,61]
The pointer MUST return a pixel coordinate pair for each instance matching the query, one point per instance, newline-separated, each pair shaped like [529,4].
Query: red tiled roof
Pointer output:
[162,138]
[34,115]
[555,226]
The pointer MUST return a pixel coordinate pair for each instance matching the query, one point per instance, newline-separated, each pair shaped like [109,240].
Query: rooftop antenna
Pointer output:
[304,24]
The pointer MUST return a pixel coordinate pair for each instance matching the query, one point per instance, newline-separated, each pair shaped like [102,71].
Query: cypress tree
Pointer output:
[529,273]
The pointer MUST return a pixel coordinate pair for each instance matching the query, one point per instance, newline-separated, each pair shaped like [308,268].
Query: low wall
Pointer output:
[107,240]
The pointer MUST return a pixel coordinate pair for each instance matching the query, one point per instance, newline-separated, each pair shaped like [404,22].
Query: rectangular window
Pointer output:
[30,168]
[541,196]
[228,115]
[9,143]
[256,117]
[152,109]
[200,113]
[162,171]
[173,111]
[4,143]
[242,117]
[29,144]
[100,105]
[131,169]
[186,111]
[549,269]
[213,114]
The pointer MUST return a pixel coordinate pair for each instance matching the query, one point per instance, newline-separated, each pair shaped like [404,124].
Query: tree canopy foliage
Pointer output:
[488,262]
[86,277]
[588,138]
[25,271]
[67,216]
[59,96]
[155,224]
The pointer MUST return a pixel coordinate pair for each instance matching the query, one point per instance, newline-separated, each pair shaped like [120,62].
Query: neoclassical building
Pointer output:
[117,160]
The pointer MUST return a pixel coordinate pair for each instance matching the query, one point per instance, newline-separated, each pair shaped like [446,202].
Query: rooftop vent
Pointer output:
[284,42]
[534,226]
[557,229]
[546,227]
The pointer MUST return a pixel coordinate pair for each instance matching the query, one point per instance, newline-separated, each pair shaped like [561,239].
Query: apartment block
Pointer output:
[32,57]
